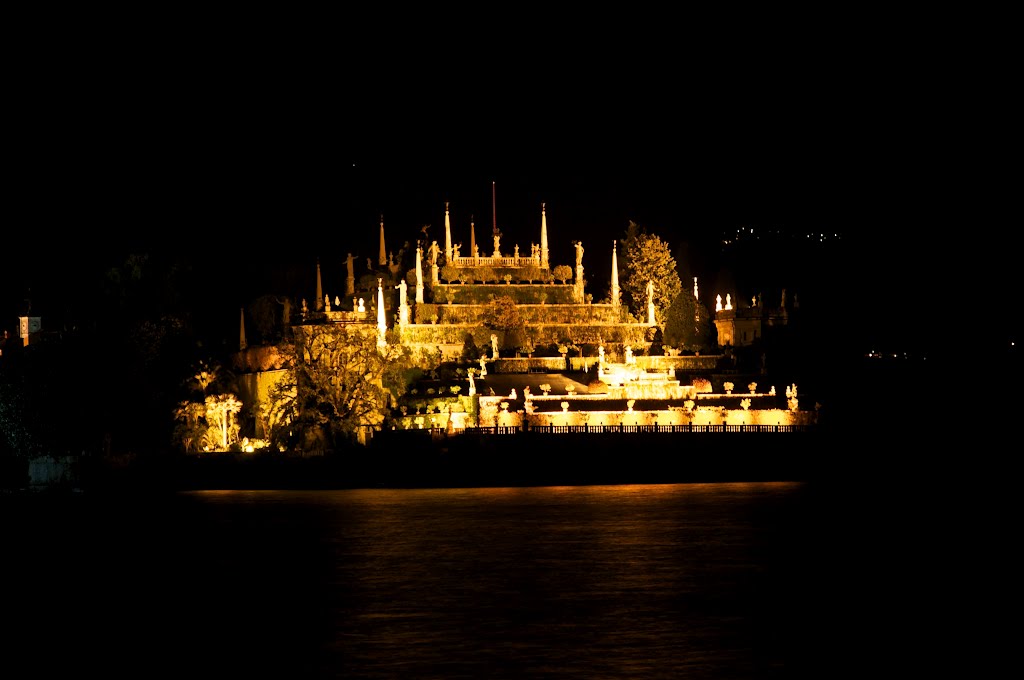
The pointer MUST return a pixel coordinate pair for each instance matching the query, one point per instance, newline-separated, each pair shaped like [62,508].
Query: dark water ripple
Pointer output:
[649,581]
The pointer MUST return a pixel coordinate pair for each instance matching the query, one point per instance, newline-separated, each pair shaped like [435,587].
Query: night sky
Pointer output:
[246,173]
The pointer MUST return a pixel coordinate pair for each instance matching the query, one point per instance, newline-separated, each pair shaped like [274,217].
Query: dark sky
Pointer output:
[271,167]
[237,198]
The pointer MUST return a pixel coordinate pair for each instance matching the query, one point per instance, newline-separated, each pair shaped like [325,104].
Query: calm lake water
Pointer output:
[765,580]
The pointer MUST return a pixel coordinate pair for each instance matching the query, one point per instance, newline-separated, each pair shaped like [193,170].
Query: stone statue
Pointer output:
[579,253]
[483,366]
[402,287]
[728,300]
[355,305]
[650,291]
[718,303]
[433,250]
[351,267]
[494,346]
[497,244]
[472,383]
[286,312]
[337,301]
[516,255]
[455,250]
[512,394]
[362,307]
[327,303]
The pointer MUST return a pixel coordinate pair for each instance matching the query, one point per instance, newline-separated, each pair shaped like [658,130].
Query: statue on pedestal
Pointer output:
[348,264]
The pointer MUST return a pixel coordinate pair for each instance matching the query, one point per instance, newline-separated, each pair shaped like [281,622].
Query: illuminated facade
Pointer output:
[606,377]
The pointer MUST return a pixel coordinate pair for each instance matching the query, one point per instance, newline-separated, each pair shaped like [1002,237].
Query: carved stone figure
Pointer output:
[403,288]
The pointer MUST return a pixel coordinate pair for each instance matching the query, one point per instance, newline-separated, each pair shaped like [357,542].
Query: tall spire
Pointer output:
[242,344]
[615,275]
[382,258]
[472,238]
[494,210]
[419,275]
[381,324]
[319,288]
[447,235]
[543,236]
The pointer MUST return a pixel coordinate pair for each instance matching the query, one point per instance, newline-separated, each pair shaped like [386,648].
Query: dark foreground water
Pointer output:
[764,580]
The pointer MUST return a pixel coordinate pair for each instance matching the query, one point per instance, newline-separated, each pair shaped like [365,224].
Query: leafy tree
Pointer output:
[529,273]
[487,274]
[220,412]
[368,282]
[470,352]
[562,272]
[647,258]
[191,426]
[449,273]
[339,386]
[688,324]
[503,315]
[264,312]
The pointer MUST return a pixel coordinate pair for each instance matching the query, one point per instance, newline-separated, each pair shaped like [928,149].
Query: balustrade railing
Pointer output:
[617,429]
[491,261]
